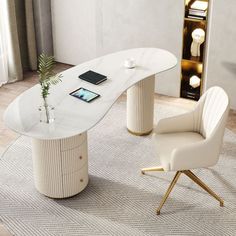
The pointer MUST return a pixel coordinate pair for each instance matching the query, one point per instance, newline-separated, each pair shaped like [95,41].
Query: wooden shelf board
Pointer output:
[195,20]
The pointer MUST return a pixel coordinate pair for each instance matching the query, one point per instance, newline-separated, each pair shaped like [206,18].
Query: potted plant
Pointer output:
[47,78]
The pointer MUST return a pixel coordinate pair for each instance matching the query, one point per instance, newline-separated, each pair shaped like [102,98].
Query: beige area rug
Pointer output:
[118,200]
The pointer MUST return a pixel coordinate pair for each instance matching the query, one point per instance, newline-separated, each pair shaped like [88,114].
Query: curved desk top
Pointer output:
[73,116]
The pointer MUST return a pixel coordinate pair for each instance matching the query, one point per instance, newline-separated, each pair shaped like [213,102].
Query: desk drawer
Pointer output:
[75,182]
[73,142]
[74,159]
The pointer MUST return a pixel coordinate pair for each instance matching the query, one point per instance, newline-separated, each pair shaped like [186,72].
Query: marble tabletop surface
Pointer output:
[73,116]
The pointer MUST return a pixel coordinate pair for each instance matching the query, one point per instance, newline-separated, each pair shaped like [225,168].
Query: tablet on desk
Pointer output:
[84,94]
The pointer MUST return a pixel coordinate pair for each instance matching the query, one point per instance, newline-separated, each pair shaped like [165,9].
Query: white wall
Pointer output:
[86,29]
[74,30]
[221,68]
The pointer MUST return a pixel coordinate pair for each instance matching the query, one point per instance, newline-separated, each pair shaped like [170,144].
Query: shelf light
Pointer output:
[187,2]
[199,68]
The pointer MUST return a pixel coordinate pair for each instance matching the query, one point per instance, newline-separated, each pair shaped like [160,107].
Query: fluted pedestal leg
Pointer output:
[60,166]
[140,107]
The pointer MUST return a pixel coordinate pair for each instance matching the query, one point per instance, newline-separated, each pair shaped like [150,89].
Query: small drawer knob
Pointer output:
[80,157]
[81,180]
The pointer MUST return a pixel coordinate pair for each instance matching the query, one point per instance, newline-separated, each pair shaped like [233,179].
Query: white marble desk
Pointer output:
[60,148]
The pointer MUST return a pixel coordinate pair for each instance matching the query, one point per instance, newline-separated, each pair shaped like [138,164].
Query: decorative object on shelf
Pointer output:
[129,63]
[194,81]
[198,36]
[199,5]
[47,78]
[198,10]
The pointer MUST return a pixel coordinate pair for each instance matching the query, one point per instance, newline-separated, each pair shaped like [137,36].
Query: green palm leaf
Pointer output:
[47,77]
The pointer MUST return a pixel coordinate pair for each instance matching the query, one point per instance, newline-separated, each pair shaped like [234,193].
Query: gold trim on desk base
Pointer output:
[191,175]
[140,134]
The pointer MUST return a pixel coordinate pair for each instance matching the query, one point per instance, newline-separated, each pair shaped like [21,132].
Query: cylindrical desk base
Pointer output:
[61,166]
[140,107]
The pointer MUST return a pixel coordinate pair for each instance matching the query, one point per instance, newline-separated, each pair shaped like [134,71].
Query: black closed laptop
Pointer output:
[93,77]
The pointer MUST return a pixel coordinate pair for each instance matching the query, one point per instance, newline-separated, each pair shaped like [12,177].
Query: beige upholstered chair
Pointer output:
[192,140]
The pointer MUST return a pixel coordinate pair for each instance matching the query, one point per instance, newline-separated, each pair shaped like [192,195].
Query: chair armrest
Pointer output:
[180,123]
[196,155]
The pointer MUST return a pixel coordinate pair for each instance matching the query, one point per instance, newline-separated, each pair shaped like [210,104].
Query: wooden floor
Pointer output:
[4,231]
[9,92]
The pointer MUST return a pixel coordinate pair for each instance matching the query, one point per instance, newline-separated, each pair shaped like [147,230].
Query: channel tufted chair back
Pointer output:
[209,119]
[211,112]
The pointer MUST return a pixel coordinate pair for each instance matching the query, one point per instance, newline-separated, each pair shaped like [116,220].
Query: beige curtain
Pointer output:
[3,49]
[20,38]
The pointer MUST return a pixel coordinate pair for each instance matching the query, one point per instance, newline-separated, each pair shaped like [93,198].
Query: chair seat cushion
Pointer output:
[166,143]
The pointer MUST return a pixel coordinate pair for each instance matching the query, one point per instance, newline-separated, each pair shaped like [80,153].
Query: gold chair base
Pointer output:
[157,168]
[191,175]
[171,186]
